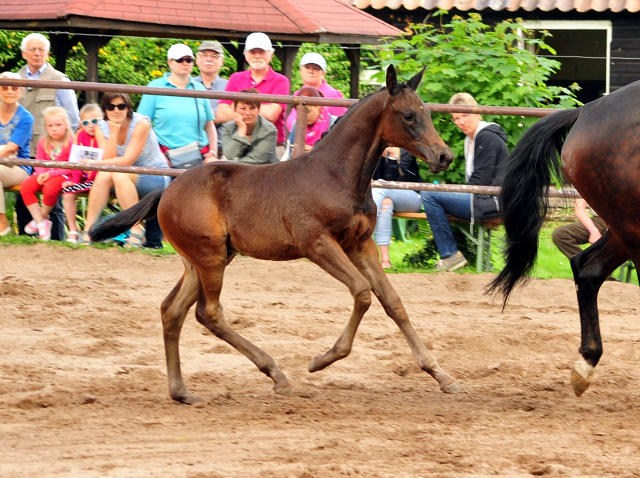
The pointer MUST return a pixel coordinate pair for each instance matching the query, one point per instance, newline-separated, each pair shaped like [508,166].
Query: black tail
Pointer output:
[121,222]
[524,200]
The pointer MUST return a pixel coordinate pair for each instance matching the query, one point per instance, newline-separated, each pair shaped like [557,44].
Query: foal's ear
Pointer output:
[392,81]
[415,81]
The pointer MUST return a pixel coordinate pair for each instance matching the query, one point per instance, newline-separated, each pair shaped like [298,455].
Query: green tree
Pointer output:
[495,64]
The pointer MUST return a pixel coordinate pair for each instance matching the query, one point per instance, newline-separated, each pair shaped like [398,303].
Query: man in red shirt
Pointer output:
[258,53]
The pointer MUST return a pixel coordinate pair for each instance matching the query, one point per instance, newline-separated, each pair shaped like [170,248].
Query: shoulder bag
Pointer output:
[188,156]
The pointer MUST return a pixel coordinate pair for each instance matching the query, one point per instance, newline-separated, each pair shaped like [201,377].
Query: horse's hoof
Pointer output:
[190,399]
[452,387]
[581,376]
[285,390]
[315,364]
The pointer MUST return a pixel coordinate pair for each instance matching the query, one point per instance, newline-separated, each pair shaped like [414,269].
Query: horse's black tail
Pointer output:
[147,208]
[524,202]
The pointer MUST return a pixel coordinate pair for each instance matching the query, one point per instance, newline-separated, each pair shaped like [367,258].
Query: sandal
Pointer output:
[84,239]
[386,264]
[134,241]
[72,237]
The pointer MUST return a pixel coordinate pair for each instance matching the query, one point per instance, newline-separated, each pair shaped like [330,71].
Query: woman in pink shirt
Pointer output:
[313,69]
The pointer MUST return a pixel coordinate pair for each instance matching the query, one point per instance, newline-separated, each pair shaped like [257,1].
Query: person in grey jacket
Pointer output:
[485,150]
[249,138]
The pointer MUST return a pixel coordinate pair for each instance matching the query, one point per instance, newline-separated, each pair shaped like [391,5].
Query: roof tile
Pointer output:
[511,5]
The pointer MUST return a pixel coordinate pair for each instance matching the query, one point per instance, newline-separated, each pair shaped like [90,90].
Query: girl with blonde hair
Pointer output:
[54,146]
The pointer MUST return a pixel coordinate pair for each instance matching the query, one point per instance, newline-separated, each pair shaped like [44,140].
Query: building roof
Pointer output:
[510,5]
[331,21]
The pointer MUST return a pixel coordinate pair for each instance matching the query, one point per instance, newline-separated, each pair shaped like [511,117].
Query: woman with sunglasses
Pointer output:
[16,127]
[129,141]
[178,120]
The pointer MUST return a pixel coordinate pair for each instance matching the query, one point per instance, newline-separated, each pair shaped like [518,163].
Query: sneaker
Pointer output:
[452,263]
[44,230]
[31,228]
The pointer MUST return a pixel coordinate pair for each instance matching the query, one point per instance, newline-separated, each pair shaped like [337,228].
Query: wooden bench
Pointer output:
[480,235]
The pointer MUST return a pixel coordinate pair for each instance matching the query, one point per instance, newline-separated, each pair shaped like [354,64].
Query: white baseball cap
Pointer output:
[314,58]
[179,50]
[258,40]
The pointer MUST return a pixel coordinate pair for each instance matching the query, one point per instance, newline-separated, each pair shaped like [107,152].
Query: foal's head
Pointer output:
[406,123]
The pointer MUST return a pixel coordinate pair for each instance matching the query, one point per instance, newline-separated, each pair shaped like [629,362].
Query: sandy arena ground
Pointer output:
[83,389]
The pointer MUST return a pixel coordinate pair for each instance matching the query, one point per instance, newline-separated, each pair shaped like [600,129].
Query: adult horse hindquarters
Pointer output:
[601,158]
[318,206]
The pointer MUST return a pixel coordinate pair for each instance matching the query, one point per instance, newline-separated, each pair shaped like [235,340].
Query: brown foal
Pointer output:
[317,205]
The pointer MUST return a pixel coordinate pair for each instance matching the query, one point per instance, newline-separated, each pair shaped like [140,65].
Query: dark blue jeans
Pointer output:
[439,205]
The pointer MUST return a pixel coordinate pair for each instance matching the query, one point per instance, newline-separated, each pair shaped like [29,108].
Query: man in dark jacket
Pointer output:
[485,149]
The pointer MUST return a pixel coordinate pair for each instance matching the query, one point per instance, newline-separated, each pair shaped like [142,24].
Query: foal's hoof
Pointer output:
[285,390]
[316,363]
[190,399]
[581,376]
[452,387]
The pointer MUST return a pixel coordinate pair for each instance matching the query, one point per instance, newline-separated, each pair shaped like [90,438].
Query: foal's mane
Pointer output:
[356,107]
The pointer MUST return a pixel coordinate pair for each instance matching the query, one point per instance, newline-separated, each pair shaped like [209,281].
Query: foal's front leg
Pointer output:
[366,260]
[326,253]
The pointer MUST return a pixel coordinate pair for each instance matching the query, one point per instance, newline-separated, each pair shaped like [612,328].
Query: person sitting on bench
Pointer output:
[485,150]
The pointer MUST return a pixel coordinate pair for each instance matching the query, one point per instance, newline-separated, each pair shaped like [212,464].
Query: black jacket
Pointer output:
[404,170]
[490,154]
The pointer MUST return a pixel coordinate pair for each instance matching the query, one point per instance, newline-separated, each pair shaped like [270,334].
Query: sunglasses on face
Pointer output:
[6,88]
[182,60]
[91,121]
[111,106]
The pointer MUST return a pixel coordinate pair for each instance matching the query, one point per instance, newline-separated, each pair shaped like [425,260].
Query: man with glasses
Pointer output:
[258,52]
[35,50]
[485,150]
[209,59]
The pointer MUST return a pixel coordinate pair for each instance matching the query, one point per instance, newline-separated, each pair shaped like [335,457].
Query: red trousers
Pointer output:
[50,190]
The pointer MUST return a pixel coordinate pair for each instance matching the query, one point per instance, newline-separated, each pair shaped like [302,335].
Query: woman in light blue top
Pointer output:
[129,141]
[179,121]
[16,125]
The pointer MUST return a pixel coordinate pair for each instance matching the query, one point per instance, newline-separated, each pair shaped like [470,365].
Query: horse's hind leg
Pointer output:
[590,269]
[174,310]
[366,260]
[209,313]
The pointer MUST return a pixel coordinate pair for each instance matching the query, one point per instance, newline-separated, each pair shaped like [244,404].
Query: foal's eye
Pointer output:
[408,117]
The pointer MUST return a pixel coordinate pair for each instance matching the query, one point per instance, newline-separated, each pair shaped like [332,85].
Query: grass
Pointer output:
[551,262]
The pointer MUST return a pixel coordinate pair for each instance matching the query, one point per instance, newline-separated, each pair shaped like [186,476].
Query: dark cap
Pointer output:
[211,45]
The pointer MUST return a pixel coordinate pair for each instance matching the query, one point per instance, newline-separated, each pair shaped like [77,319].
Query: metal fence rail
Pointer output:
[451,188]
[297,101]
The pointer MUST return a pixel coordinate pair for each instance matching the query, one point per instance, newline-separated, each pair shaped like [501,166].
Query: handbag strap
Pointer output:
[198,114]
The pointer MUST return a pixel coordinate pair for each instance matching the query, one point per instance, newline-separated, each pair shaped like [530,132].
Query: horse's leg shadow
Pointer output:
[590,269]
[209,313]
[326,253]
[174,310]
[367,262]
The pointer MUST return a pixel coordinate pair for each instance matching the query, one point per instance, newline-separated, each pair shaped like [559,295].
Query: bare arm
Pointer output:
[8,149]
[225,113]
[270,111]
[586,221]
[212,134]
[134,148]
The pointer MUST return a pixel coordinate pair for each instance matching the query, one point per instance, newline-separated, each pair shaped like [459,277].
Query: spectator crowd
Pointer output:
[164,132]
[181,132]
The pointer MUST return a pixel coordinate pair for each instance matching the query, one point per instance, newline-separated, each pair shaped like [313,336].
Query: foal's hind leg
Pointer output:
[590,269]
[209,313]
[174,310]
[366,260]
